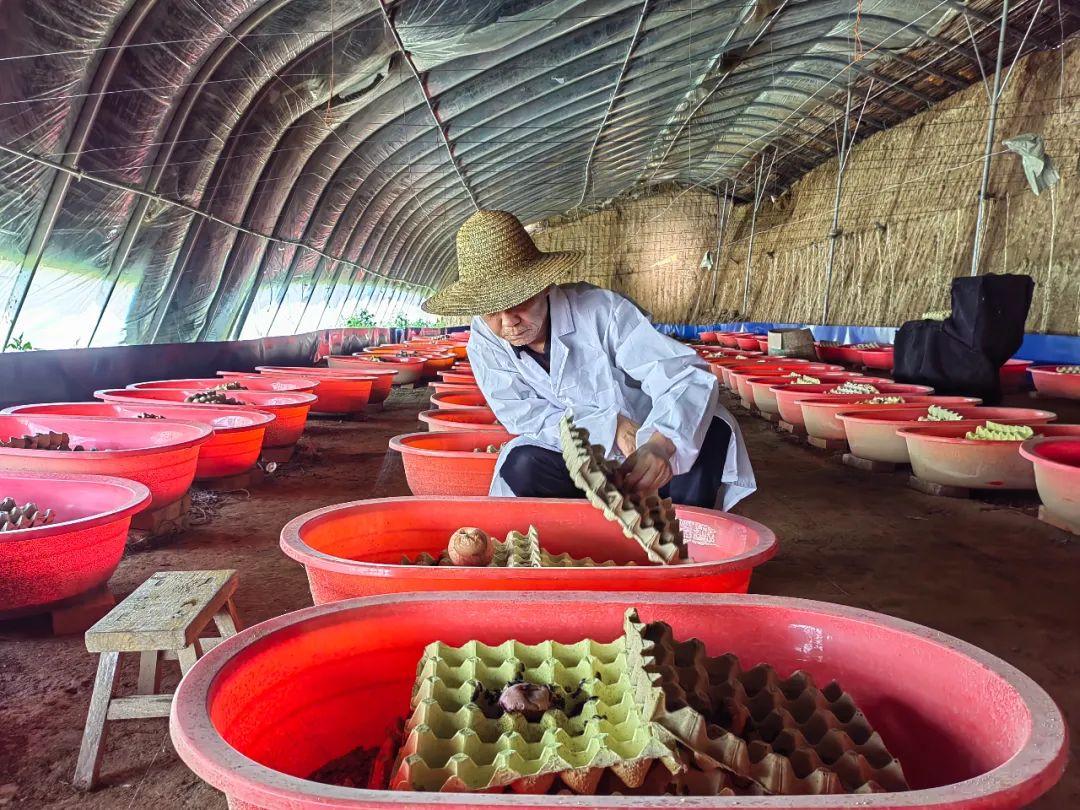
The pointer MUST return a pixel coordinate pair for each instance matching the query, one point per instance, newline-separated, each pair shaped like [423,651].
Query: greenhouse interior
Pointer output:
[543,404]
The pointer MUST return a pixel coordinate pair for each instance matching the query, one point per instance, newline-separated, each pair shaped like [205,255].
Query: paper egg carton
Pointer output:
[457,739]
[650,520]
[782,735]
[524,551]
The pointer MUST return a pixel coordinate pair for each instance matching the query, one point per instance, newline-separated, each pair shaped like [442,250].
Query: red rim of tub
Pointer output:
[1028,773]
[436,416]
[295,385]
[256,418]
[295,547]
[1030,450]
[400,443]
[991,412]
[928,432]
[447,401]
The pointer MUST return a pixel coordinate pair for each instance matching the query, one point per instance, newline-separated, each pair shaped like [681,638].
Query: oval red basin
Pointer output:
[355,549]
[737,375]
[454,377]
[453,388]
[251,382]
[159,453]
[787,397]
[708,337]
[273,704]
[941,455]
[443,463]
[749,342]
[291,409]
[1056,461]
[729,340]
[440,420]
[382,380]
[763,398]
[232,449]
[407,370]
[75,554]
[877,358]
[872,433]
[455,400]
[819,411]
[829,354]
[1052,383]
[338,392]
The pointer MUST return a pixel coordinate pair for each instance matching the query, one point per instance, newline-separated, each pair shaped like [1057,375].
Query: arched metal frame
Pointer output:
[298,160]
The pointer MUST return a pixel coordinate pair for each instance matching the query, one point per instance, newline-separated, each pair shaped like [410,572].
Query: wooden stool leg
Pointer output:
[89,764]
[149,672]
[188,656]
[226,620]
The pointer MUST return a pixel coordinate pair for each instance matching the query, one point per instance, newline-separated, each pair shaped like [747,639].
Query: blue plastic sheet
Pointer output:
[1038,348]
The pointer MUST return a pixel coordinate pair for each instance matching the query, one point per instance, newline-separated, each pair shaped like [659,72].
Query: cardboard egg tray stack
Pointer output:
[519,551]
[648,519]
[643,714]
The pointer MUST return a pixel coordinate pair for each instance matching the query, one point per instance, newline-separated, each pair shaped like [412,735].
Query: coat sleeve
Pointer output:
[516,404]
[682,389]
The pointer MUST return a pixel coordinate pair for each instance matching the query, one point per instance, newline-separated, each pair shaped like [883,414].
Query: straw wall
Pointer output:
[908,212]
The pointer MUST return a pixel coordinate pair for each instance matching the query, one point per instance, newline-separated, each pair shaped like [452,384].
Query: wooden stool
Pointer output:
[162,619]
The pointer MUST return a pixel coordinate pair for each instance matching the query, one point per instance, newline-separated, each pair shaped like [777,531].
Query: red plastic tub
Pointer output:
[407,370]
[382,380]
[355,549]
[763,398]
[232,449]
[453,388]
[291,409]
[1056,462]
[444,463]
[452,401]
[819,411]
[759,366]
[276,702]
[1052,383]
[441,420]
[877,358]
[48,565]
[1014,375]
[872,434]
[828,354]
[454,377]
[941,455]
[251,382]
[849,355]
[748,342]
[737,375]
[338,392]
[708,337]
[728,339]
[787,397]
[158,453]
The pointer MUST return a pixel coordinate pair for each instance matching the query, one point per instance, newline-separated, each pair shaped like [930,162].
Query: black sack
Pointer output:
[962,355]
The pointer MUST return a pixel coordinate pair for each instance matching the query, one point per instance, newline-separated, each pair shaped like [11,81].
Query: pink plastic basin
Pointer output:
[872,434]
[877,358]
[729,340]
[355,549]
[453,388]
[708,337]
[788,396]
[1014,374]
[819,411]
[480,419]
[407,370]
[763,398]
[1051,383]
[251,382]
[1056,462]
[382,380]
[158,453]
[265,708]
[46,565]
[291,409]
[451,401]
[453,377]
[749,342]
[444,463]
[849,355]
[738,375]
[941,455]
[338,392]
[233,448]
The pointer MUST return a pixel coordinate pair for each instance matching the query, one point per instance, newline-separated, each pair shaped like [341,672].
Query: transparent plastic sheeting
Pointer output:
[1038,348]
[301,120]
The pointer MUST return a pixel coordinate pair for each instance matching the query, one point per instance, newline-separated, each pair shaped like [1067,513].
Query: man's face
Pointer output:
[523,324]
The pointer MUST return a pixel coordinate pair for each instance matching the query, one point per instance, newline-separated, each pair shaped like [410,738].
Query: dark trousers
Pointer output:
[536,472]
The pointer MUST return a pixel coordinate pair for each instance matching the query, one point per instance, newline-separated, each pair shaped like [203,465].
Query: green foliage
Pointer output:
[400,321]
[361,320]
[18,344]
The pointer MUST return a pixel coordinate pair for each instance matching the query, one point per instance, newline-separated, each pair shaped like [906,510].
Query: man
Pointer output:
[540,348]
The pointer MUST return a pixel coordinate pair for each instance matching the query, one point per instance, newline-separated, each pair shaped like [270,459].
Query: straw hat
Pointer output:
[499,266]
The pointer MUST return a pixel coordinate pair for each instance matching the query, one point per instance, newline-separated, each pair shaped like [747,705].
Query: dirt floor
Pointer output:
[983,570]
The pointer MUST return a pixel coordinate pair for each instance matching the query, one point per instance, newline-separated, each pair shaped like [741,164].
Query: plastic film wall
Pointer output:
[197,170]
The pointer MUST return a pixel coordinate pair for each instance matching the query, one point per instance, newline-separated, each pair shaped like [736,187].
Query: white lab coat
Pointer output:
[606,360]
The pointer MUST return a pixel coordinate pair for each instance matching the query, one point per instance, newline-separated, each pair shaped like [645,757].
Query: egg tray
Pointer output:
[1068,369]
[458,738]
[519,551]
[14,517]
[42,441]
[648,519]
[995,432]
[777,736]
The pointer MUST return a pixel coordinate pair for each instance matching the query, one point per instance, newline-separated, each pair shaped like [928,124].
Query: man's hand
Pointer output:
[626,435]
[649,467]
